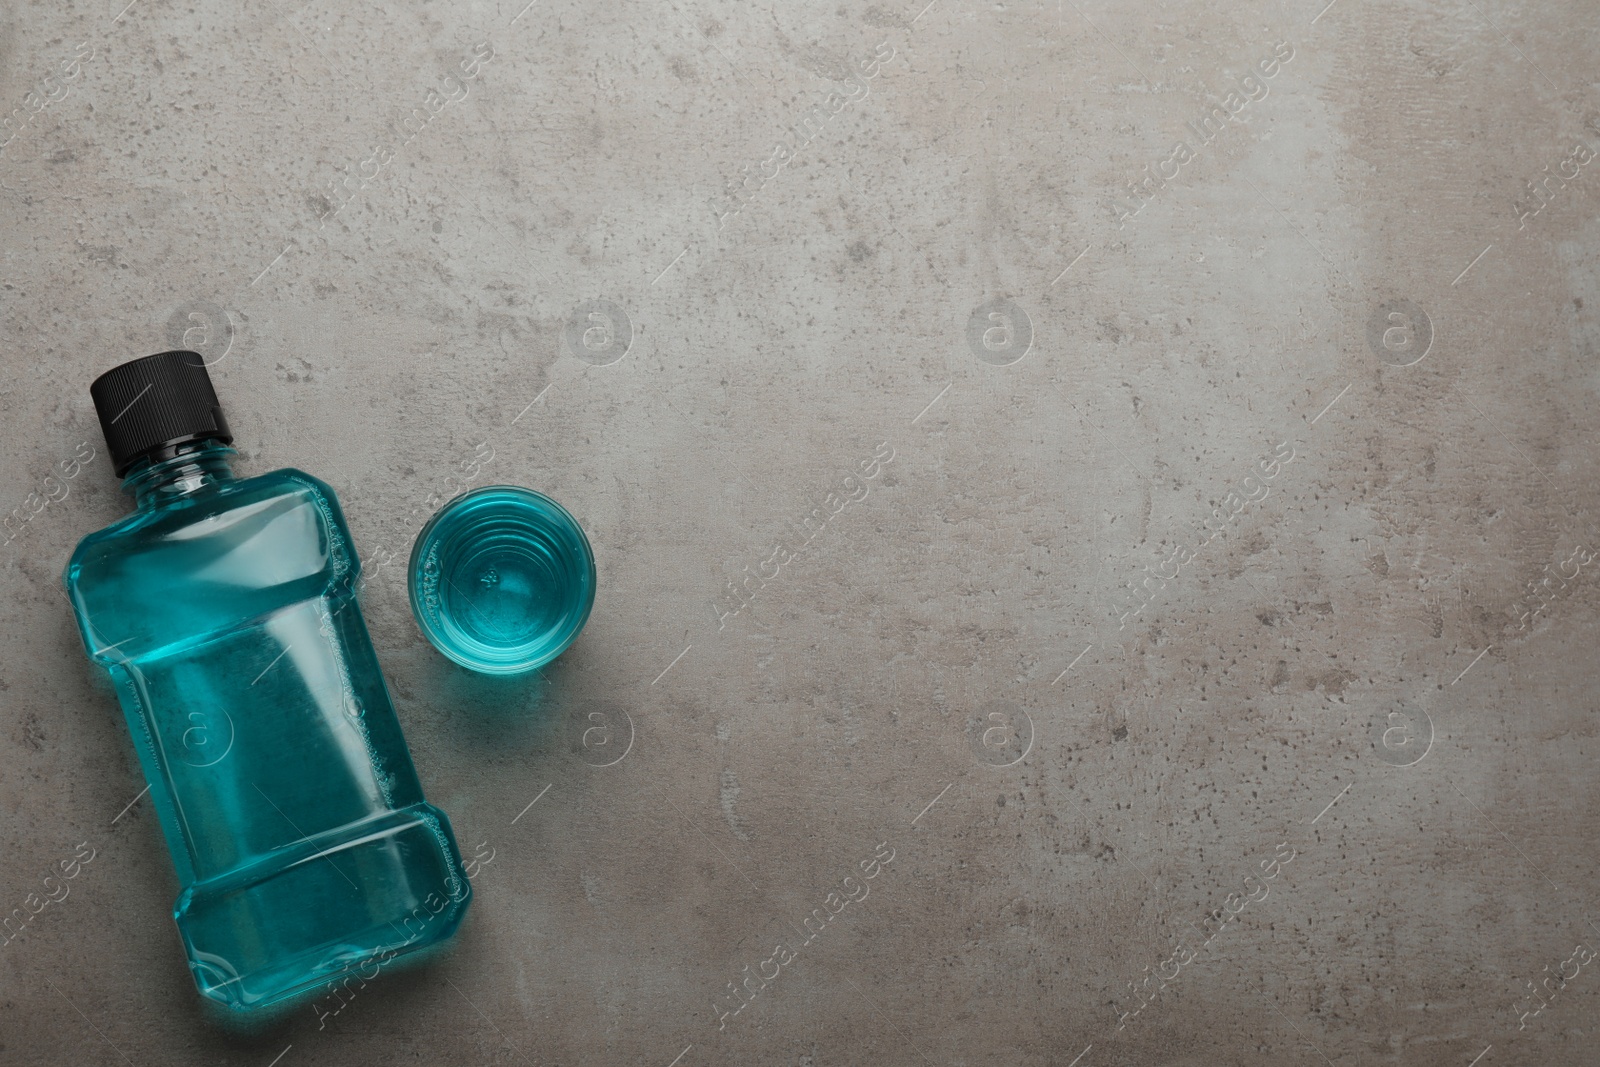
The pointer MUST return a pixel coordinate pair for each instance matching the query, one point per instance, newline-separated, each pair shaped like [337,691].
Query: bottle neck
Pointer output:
[190,469]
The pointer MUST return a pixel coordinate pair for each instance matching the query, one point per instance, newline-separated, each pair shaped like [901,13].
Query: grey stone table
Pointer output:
[1119,475]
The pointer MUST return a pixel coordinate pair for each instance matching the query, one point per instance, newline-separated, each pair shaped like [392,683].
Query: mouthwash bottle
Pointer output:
[224,610]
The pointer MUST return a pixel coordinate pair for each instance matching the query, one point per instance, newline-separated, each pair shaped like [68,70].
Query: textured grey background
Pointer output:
[1346,669]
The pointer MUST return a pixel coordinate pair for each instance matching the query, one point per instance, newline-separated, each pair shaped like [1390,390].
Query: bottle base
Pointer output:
[331,911]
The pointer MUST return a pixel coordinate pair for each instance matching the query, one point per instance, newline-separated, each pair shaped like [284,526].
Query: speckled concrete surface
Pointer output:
[1226,379]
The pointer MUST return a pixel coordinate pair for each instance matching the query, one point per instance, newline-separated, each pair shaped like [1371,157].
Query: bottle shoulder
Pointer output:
[253,496]
[294,480]
[235,550]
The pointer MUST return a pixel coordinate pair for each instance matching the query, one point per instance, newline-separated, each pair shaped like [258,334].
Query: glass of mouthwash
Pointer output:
[502,579]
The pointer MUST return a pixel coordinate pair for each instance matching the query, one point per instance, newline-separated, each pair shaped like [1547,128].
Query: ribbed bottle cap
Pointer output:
[156,403]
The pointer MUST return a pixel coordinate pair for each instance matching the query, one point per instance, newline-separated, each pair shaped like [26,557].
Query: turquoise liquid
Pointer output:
[225,612]
[502,579]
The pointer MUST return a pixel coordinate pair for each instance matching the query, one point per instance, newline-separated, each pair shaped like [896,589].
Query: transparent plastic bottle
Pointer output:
[224,610]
